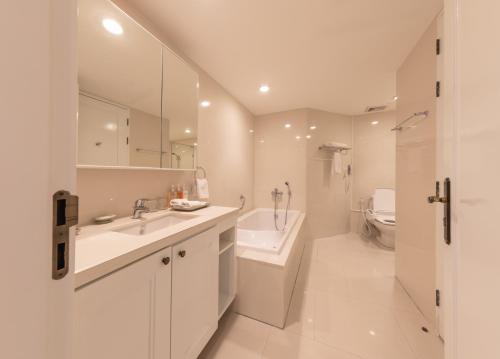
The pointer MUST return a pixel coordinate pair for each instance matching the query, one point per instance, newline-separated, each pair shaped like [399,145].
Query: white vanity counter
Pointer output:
[102,249]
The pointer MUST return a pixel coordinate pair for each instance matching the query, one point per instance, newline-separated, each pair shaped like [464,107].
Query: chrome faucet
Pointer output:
[139,208]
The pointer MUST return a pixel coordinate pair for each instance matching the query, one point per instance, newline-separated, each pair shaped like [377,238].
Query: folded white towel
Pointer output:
[185,203]
[202,188]
[337,162]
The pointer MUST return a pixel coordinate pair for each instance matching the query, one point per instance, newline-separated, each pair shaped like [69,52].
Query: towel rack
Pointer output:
[399,126]
[138,149]
[199,168]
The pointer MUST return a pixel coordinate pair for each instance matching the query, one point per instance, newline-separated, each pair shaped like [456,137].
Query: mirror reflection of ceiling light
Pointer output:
[111,126]
[264,88]
[313,127]
[187,130]
[287,125]
[205,103]
[112,26]
[374,122]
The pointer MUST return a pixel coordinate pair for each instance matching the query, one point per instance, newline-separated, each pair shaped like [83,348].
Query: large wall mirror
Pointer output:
[138,101]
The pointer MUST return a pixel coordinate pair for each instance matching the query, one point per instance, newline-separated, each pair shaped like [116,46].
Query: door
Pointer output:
[443,170]
[194,293]
[38,96]
[126,315]
[102,132]
[471,63]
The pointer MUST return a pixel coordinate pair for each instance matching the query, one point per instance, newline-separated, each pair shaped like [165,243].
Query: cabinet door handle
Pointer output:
[182,253]
[165,260]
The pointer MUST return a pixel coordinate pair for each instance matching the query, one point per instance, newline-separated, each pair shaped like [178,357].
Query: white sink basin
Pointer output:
[153,225]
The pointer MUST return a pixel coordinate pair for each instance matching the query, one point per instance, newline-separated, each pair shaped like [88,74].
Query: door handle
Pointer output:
[446,200]
[165,260]
[182,253]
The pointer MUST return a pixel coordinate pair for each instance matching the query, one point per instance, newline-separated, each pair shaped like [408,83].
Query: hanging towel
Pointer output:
[337,162]
[202,188]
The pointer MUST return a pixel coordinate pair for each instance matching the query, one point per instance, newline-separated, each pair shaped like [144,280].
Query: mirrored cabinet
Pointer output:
[138,101]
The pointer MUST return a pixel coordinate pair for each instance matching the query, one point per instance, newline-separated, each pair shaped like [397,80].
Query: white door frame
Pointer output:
[451,113]
[38,95]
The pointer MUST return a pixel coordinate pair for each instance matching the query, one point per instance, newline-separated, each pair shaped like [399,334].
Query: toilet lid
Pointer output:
[384,200]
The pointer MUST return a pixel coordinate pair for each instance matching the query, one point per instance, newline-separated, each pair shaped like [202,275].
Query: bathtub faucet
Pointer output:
[277,195]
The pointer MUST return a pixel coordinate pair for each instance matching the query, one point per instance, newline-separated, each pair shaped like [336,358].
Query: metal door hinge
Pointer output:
[438,88]
[446,200]
[127,140]
[64,216]
[438,46]
[127,121]
[438,298]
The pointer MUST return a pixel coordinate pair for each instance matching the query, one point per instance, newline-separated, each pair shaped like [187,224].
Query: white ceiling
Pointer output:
[335,55]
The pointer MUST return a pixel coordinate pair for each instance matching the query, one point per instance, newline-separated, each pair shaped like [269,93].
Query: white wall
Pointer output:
[280,157]
[374,159]
[328,198]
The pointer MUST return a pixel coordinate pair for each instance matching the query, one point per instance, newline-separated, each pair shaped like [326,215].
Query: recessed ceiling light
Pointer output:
[261,141]
[374,122]
[395,98]
[287,125]
[195,144]
[251,131]
[297,137]
[112,26]
[308,137]
[187,130]
[264,88]
[313,127]
[205,103]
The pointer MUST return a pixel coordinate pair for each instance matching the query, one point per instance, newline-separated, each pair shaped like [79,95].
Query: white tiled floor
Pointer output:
[346,304]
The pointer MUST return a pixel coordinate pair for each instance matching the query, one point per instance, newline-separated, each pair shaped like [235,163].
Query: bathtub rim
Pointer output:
[274,259]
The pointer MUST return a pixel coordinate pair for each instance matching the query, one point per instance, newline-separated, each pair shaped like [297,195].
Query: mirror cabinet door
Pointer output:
[179,112]
[122,69]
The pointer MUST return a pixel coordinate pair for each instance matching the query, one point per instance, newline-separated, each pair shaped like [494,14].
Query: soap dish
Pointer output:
[105,219]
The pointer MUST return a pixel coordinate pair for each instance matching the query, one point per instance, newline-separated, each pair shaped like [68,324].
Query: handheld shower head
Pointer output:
[289,190]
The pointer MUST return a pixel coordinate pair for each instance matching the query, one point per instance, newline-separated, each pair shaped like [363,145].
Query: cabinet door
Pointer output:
[126,315]
[194,293]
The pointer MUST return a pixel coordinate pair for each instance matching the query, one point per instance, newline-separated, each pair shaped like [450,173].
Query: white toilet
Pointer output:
[383,216]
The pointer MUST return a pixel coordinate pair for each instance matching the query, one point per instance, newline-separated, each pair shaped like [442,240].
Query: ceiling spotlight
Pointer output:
[205,103]
[261,141]
[308,137]
[264,88]
[195,144]
[251,131]
[374,122]
[112,26]
[395,98]
[297,137]
[187,130]
[313,127]
[287,125]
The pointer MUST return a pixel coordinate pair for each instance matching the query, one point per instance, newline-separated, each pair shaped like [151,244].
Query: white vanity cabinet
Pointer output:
[159,307]
[126,314]
[195,295]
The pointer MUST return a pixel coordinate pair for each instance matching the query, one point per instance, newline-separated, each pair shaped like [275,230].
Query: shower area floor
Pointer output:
[346,304]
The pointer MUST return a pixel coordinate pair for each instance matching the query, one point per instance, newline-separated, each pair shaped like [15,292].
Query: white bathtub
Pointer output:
[268,263]
[256,229]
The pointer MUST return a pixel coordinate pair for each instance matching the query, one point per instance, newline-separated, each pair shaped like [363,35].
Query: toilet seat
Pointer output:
[387,218]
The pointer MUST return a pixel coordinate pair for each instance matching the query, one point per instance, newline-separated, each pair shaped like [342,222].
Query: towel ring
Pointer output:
[199,168]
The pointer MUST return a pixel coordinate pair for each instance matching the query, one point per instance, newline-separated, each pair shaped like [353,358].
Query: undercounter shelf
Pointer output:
[227,269]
